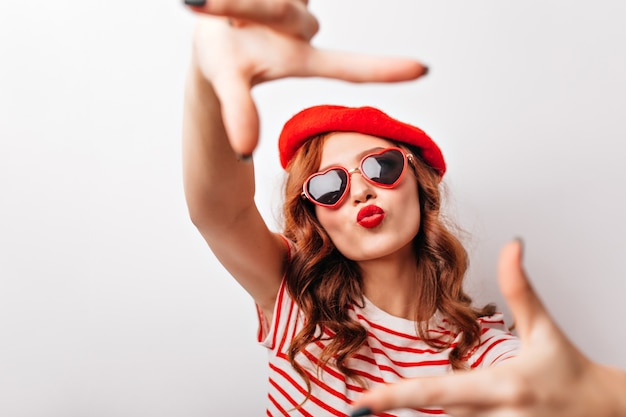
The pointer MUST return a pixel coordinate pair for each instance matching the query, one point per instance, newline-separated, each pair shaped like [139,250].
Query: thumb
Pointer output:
[525,305]
[239,114]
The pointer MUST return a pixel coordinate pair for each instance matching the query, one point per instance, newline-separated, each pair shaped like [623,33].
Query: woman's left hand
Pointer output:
[550,378]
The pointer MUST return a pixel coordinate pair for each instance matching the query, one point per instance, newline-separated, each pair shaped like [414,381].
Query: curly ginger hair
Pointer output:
[324,283]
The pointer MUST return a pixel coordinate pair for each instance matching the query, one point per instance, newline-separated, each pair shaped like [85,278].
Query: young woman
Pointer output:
[387,261]
[364,286]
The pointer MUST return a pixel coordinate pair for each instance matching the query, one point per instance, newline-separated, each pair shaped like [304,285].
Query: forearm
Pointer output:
[217,185]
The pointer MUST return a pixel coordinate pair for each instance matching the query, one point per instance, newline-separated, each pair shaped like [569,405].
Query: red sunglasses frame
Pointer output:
[407,159]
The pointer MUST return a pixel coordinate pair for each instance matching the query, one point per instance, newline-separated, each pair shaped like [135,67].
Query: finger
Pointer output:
[288,16]
[469,390]
[362,68]
[239,113]
[525,305]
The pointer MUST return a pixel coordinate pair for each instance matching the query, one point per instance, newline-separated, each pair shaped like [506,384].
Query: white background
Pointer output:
[110,302]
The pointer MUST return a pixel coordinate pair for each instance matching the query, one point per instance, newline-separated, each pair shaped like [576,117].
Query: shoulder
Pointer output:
[497,342]
[495,321]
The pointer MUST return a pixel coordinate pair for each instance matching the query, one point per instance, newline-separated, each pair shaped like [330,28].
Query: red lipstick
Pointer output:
[370,216]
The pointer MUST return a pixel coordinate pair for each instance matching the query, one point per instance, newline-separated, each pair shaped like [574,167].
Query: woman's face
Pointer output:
[364,239]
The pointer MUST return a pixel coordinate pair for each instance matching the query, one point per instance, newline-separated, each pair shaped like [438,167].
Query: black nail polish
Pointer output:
[426,70]
[196,3]
[361,412]
[244,158]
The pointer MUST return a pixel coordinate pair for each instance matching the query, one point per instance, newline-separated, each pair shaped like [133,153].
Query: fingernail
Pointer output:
[361,412]
[426,70]
[196,3]
[244,158]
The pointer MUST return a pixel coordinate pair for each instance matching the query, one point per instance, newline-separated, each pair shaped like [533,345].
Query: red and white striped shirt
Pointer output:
[393,351]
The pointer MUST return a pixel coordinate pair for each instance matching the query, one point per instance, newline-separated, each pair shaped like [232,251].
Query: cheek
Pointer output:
[336,225]
[328,218]
[409,207]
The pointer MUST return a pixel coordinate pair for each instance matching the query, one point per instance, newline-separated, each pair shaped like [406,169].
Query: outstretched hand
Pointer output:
[550,377]
[239,44]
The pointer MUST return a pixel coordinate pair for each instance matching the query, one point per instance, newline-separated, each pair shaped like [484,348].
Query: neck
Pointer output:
[391,283]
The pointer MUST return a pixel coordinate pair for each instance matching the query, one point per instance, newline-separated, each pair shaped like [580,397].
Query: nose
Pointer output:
[360,189]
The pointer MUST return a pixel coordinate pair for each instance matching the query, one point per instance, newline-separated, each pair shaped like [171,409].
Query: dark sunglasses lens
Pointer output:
[384,168]
[328,188]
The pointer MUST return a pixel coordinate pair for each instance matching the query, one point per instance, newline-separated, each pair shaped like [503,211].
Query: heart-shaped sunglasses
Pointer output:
[384,168]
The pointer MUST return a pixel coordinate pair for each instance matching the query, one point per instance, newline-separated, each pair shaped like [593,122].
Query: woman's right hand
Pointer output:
[239,44]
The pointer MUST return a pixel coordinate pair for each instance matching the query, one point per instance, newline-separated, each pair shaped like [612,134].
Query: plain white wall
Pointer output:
[110,302]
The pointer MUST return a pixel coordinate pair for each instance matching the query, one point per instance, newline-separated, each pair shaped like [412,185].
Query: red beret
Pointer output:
[367,120]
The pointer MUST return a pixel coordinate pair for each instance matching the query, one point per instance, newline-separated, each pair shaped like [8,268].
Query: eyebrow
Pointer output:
[359,156]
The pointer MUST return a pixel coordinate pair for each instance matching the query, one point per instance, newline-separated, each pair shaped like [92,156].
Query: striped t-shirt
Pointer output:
[393,351]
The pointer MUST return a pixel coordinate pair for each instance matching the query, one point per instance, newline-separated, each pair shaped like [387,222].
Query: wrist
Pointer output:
[197,86]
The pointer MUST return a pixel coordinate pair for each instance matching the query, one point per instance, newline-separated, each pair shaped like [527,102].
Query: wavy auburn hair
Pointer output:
[324,283]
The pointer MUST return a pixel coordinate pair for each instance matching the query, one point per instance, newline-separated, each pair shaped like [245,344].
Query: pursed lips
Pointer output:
[370,216]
